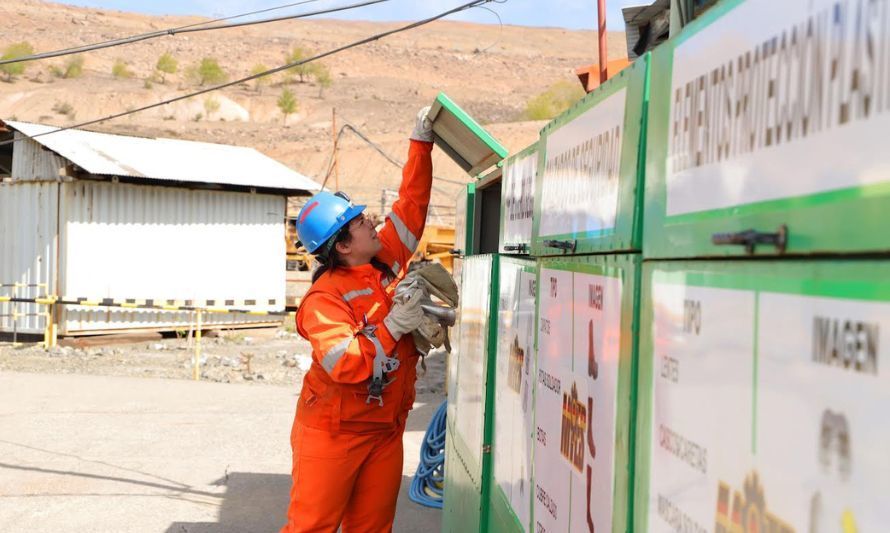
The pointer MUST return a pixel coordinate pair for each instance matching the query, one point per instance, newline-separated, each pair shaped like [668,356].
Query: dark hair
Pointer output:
[328,259]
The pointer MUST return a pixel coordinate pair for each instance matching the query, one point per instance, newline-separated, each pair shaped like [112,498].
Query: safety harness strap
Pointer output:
[383,365]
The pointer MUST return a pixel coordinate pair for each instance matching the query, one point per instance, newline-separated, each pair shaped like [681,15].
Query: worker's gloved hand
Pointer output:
[423,127]
[431,331]
[406,314]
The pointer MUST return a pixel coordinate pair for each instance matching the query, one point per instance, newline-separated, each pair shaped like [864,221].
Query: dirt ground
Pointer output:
[99,454]
[274,356]
[91,440]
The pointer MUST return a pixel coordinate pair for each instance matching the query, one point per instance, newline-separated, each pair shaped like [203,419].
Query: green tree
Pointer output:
[211,106]
[120,70]
[261,81]
[73,68]
[208,71]
[167,64]
[299,54]
[287,103]
[322,77]
[556,99]
[14,51]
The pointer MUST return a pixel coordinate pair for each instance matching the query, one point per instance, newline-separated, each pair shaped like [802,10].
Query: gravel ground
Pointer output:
[260,356]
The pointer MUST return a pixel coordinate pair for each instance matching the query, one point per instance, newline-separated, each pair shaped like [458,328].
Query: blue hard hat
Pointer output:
[323,216]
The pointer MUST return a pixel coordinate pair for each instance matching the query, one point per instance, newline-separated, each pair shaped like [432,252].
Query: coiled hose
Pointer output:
[429,480]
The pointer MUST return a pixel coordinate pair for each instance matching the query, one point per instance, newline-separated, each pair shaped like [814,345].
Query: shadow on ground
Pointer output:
[257,503]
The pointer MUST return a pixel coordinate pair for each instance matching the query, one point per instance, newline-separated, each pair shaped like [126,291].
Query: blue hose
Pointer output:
[428,483]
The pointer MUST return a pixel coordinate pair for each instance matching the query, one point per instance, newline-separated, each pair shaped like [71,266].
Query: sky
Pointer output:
[573,14]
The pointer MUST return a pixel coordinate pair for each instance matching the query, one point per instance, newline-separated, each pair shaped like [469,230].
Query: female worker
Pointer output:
[347,433]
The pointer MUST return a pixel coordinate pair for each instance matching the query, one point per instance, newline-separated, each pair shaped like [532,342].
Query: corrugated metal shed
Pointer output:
[173,160]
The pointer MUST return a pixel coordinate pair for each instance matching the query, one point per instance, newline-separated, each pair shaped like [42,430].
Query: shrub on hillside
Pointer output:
[261,81]
[120,70]
[14,51]
[287,103]
[167,64]
[559,97]
[211,106]
[73,68]
[207,72]
[322,77]
[299,54]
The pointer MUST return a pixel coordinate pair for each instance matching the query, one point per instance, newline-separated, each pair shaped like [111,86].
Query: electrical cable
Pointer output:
[185,29]
[377,148]
[428,485]
[354,44]
[164,32]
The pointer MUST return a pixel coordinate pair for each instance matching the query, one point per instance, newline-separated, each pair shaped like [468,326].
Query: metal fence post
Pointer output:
[197,375]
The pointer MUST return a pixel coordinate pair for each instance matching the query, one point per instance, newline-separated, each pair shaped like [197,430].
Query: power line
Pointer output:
[354,44]
[377,148]
[184,29]
[175,29]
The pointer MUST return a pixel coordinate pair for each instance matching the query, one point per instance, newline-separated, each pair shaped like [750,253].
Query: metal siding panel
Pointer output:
[131,241]
[30,161]
[27,240]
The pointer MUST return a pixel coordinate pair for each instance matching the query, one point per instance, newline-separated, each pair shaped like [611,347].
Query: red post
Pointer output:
[601,36]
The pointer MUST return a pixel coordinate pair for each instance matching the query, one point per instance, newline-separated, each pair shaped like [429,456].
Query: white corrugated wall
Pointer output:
[28,223]
[31,161]
[134,241]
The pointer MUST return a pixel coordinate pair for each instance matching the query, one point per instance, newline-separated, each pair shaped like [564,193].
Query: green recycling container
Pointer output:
[465,208]
[518,201]
[584,398]
[587,192]
[469,417]
[510,496]
[763,388]
[767,132]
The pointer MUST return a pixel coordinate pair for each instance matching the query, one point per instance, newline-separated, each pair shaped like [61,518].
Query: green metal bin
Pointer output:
[763,389]
[767,132]
[518,201]
[587,192]
[513,407]
[470,418]
[584,399]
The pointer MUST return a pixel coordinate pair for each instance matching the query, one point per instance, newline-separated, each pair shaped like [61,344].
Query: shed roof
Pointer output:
[178,161]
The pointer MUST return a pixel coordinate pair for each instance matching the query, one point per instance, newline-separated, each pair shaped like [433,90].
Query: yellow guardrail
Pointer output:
[50,334]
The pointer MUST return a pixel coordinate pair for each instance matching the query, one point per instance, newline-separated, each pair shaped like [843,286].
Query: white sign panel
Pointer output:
[519,199]
[520,497]
[596,354]
[513,409]
[759,91]
[552,472]
[822,432]
[579,191]
[702,418]
[474,303]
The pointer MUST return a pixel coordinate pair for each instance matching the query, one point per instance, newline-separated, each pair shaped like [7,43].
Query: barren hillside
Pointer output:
[491,72]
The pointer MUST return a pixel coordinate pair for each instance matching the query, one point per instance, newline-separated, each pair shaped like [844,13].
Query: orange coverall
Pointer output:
[347,447]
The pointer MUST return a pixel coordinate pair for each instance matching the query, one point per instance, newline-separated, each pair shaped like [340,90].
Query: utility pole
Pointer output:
[601,36]
[336,143]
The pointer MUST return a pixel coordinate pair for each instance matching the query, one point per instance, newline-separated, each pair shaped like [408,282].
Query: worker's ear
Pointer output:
[343,248]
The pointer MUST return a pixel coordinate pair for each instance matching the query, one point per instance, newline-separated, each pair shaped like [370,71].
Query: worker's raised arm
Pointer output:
[404,225]
[346,354]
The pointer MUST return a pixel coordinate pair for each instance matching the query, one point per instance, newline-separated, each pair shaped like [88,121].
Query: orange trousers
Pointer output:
[348,479]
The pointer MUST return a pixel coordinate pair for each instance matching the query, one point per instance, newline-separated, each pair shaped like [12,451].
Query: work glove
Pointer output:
[406,314]
[423,126]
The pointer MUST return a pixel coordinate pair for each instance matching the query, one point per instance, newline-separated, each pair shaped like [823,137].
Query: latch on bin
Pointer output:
[751,238]
[565,246]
